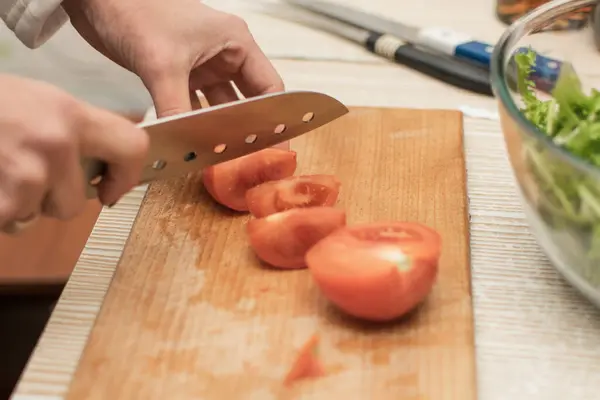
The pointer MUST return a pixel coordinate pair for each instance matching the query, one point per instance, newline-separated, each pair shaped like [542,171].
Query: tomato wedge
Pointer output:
[307,364]
[376,271]
[282,239]
[293,192]
[228,182]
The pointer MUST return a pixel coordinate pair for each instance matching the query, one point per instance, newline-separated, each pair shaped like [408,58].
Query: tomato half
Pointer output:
[228,182]
[282,239]
[293,192]
[377,271]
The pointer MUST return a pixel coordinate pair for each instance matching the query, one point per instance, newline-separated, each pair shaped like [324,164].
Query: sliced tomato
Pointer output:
[307,363]
[377,271]
[282,239]
[228,182]
[293,192]
[411,237]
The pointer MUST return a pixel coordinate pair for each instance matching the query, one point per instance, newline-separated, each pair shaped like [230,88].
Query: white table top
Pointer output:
[536,338]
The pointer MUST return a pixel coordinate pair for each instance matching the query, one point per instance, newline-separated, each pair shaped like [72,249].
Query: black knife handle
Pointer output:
[446,69]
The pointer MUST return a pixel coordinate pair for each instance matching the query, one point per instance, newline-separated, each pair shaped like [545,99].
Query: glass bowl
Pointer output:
[560,190]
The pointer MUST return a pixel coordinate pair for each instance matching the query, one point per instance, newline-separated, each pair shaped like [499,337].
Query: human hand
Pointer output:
[44,134]
[176,48]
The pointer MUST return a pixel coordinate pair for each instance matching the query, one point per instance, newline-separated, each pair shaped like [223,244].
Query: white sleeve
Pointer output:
[33,21]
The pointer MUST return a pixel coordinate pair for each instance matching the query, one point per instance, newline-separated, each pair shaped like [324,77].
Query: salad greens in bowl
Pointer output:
[551,126]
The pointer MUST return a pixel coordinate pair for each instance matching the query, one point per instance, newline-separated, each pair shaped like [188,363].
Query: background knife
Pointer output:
[439,66]
[442,40]
[191,141]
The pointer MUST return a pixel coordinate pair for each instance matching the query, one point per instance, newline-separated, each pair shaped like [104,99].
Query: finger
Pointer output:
[121,145]
[17,226]
[26,184]
[170,93]
[66,197]
[8,204]
[23,185]
[220,93]
[32,186]
[257,76]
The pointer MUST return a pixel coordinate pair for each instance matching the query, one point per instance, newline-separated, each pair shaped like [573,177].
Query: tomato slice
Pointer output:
[293,192]
[377,271]
[282,239]
[307,364]
[228,182]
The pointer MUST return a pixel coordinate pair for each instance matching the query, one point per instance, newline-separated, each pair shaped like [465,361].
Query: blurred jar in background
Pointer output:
[509,10]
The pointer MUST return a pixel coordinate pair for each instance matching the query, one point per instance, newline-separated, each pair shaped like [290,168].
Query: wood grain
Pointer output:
[192,314]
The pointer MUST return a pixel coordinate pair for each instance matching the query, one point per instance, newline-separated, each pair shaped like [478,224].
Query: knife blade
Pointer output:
[446,41]
[438,66]
[191,141]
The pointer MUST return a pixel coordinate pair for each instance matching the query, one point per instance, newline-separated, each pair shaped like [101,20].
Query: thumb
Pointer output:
[170,93]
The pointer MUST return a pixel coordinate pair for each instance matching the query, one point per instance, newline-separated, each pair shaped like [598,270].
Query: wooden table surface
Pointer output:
[536,337]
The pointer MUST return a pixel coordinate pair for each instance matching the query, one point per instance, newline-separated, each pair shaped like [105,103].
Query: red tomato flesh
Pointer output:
[282,239]
[293,192]
[228,182]
[307,364]
[377,271]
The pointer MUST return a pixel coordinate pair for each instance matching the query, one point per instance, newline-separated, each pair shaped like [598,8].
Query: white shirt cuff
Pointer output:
[33,21]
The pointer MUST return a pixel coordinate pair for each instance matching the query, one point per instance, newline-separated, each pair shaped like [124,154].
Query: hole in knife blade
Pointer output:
[308,117]
[251,139]
[220,148]
[191,156]
[279,129]
[159,164]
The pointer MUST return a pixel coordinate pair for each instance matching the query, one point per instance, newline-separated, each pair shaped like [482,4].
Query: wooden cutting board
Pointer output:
[191,314]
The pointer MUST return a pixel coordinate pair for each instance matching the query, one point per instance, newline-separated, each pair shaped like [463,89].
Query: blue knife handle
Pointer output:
[544,74]
[478,52]
[545,71]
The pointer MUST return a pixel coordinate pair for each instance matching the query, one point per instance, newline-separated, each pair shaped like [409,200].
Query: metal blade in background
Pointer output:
[317,21]
[192,141]
[361,19]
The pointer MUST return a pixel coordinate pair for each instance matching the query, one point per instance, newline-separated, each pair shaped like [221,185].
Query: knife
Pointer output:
[191,141]
[441,67]
[442,40]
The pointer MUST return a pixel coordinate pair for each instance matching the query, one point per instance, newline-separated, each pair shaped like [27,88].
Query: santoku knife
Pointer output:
[191,141]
